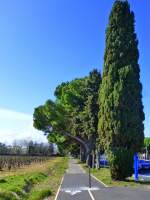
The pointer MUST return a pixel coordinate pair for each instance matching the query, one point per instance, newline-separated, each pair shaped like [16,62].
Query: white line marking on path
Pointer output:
[91,195]
[59,188]
[99,181]
[95,178]
[73,191]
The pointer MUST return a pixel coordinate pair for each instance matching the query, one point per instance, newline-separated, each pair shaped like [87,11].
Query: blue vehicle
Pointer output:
[144,164]
[103,161]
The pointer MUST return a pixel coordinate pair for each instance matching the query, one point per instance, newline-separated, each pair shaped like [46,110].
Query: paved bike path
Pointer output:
[75,187]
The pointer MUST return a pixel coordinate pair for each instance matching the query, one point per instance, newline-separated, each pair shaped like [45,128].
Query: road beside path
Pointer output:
[75,186]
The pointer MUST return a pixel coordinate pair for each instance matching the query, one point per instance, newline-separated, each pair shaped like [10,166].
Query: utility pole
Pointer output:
[89,177]
[89,165]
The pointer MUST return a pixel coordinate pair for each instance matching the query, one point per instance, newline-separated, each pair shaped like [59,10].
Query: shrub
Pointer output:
[121,163]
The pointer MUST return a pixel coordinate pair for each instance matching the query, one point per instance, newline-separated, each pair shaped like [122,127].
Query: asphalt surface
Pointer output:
[75,187]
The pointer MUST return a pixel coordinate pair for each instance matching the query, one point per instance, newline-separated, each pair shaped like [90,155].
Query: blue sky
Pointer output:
[43,43]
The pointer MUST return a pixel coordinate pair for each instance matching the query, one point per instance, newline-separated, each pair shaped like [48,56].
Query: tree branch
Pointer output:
[78,140]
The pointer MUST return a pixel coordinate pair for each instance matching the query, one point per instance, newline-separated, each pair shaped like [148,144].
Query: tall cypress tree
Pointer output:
[121,115]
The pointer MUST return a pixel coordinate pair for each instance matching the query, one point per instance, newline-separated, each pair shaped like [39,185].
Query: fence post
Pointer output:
[136,167]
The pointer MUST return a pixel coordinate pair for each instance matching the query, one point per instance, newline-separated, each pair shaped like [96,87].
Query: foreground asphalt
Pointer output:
[75,187]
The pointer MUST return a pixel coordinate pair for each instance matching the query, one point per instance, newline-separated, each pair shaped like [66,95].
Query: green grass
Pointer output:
[21,184]
[103,174]
[52,182]
[42,181]
[40,194]
[8,195]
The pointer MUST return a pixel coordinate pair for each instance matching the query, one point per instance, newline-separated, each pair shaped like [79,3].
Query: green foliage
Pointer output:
[74,149]
[89,115]
[40,120]
[147,143]
[121,110]
[61,141]
[74,111]
[120,161]
[71,94]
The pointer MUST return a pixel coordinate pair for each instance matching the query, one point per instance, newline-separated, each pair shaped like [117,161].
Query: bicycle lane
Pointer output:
[75,184]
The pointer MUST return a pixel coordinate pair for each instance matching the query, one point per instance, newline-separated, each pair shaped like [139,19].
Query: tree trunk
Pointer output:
[93,159]
[97,159]
[80,153]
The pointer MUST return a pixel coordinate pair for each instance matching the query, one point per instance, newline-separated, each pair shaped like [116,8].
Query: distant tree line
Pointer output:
[27,148]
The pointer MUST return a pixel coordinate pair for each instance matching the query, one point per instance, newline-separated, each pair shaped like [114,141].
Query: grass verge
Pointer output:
[103,174]
[42,181]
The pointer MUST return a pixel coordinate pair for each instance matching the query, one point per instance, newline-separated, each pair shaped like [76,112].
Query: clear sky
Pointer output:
[45,42]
